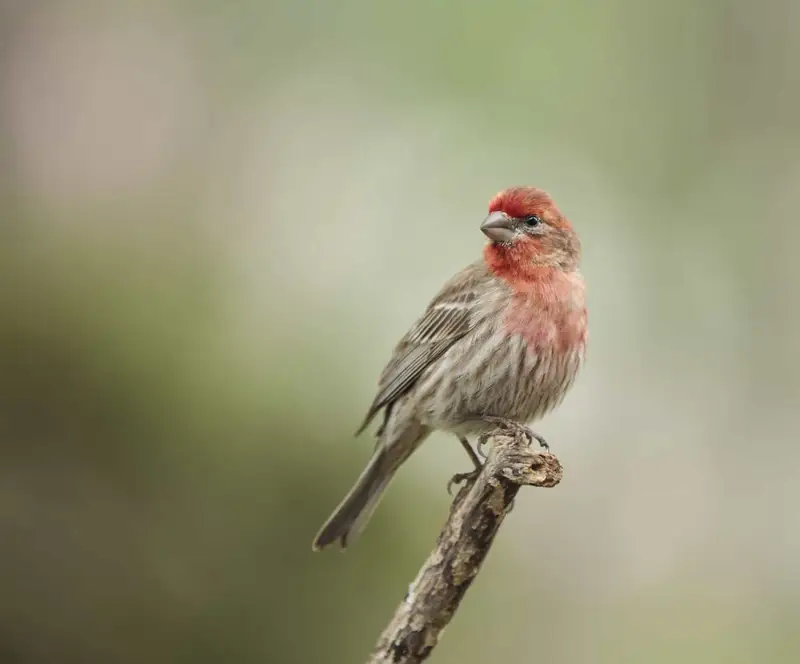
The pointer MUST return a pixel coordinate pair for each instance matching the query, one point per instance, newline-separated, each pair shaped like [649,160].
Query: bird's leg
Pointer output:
[472,456]
[470,476]
[513,428]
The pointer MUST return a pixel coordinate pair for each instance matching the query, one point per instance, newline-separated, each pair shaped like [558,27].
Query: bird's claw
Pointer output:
[482,441]
[515,429]
[540,439]
[458,478]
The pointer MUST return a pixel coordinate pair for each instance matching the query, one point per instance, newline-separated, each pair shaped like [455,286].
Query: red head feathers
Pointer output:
[528,233]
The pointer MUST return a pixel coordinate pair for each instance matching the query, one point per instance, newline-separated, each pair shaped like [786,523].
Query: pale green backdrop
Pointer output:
[216,218]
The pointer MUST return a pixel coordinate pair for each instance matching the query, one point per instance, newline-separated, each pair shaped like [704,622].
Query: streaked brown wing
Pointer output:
[448,318]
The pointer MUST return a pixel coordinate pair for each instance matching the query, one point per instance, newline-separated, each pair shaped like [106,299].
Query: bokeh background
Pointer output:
[216,218]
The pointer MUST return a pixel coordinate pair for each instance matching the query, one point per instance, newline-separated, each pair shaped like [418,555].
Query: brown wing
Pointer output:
[448,318]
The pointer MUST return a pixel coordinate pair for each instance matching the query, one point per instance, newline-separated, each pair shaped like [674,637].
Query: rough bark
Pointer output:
[475,517]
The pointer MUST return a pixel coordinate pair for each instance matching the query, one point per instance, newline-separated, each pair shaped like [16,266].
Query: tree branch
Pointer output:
[475,517]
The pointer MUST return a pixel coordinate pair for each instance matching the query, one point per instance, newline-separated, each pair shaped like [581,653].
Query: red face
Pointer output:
[527,229]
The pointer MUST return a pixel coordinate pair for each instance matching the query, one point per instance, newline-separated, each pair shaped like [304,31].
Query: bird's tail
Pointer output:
[350,517]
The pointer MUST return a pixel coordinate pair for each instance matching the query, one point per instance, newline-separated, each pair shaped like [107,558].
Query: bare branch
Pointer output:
[475,517]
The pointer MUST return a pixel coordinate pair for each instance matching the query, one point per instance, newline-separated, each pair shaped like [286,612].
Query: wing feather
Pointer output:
[449,317]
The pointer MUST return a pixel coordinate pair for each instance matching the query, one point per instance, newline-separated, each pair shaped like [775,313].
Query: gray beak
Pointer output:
[498,227]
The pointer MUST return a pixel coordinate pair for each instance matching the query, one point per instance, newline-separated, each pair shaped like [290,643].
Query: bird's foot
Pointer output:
[513,428]
[458,478]
[482,440]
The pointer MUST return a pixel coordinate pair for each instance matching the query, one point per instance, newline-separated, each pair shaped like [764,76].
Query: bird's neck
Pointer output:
[521,272]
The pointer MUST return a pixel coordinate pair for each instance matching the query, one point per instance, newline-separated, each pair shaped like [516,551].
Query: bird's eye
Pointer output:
[532,220]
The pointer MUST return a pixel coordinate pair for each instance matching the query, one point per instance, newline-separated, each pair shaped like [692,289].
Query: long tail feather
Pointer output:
[350,517]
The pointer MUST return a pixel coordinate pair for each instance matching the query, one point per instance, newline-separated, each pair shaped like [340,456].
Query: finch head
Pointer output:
[527,231]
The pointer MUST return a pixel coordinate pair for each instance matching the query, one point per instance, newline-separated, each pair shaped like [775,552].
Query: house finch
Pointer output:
[500,344]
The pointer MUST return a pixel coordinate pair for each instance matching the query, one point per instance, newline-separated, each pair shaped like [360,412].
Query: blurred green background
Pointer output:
[216,218]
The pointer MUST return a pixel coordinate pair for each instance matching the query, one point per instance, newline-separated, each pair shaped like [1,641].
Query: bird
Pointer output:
[500,345]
